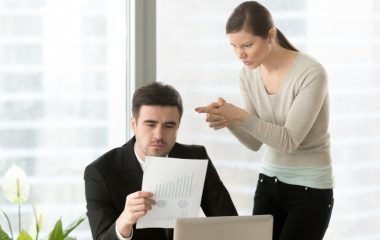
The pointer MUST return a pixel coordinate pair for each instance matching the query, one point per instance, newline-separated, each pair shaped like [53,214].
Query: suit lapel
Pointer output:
[175,152]
[132,168]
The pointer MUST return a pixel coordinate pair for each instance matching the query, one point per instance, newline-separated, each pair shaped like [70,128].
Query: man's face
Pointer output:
[155,130]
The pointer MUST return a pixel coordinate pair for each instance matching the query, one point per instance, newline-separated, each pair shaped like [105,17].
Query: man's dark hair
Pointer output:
[158,94]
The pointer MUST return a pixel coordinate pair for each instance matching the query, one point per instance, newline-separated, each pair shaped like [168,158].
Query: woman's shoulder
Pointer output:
[308,62]
[309,70]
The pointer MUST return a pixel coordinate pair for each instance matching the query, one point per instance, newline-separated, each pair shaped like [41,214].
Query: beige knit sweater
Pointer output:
[293,123]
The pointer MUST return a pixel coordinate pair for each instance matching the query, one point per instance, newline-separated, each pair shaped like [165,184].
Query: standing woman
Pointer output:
[285,106]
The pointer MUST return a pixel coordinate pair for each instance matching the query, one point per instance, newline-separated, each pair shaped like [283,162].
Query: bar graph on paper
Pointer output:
[178,189]
[177,192]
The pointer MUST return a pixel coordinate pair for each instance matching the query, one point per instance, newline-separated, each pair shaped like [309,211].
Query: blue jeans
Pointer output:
[299,213]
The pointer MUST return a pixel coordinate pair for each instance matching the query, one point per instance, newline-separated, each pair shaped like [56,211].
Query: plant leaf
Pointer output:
[73,225]
[57,232]
[4,235]
[9,224]
[24,236]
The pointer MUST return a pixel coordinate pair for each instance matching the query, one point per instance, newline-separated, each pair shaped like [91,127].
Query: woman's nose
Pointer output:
[240,53]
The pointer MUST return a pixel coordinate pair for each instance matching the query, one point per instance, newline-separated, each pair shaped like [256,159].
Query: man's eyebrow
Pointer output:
[170,123]
[150,121]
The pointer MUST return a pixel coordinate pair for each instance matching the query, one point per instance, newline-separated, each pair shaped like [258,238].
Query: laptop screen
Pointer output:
[258,227]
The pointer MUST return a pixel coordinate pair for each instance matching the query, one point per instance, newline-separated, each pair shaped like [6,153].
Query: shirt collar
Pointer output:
[141,162]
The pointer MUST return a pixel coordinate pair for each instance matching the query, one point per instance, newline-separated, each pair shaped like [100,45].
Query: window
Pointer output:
[193,54]
[62,98]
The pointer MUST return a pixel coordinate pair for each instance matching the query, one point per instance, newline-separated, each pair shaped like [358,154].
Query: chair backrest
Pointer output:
[258,227]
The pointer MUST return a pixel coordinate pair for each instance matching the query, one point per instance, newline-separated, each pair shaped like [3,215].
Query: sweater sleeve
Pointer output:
[244,136]
[310,96]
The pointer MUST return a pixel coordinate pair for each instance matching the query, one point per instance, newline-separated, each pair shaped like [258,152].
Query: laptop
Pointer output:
[257,227]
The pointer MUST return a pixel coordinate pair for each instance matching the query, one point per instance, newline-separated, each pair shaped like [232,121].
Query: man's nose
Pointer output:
[158,132]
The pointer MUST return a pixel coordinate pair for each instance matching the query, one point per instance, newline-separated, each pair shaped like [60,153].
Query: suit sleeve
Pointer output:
[216,201]
[100,211]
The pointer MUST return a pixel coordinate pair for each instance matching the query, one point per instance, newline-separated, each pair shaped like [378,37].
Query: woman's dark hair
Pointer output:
[256,19]
[157,94]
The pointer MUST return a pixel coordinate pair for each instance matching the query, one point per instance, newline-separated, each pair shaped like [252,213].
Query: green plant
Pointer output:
[16,189]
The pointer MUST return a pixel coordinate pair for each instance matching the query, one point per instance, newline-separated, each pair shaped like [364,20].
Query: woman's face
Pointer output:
[251,50]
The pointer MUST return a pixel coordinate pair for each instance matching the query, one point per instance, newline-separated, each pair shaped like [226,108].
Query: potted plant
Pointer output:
[16,189]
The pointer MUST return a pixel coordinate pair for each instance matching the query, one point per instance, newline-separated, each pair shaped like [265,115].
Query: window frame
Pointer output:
[141,48]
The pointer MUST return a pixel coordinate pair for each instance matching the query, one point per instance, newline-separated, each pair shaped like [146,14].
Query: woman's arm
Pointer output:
[301,117]
[307,104]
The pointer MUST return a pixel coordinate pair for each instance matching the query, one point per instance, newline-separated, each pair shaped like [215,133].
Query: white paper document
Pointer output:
[177,186]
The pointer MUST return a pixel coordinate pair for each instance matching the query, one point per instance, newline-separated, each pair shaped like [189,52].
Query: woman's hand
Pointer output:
[221,114]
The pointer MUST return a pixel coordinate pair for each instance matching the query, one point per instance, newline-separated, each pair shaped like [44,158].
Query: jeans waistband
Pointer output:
[274,180]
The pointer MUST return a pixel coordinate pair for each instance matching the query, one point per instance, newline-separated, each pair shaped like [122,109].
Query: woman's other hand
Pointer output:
[220,114]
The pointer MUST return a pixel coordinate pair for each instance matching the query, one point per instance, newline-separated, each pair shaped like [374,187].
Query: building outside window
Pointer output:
[62,98]
[194,55]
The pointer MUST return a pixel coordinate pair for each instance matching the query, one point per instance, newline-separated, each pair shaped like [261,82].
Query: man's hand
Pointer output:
[136,206]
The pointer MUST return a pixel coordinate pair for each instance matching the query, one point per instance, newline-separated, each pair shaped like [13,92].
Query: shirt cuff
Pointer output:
[121,237]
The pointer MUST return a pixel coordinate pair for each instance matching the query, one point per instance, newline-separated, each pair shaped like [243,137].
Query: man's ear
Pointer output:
[133,124]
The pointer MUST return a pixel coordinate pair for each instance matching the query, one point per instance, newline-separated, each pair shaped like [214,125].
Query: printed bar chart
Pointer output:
[179,188]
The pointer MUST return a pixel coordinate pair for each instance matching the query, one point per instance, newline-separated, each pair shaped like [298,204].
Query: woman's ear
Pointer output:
[272,34]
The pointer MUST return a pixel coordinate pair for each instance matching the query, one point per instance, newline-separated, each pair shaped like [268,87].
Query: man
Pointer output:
[113,182]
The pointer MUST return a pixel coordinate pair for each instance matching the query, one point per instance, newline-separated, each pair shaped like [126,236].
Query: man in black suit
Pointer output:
[113,182]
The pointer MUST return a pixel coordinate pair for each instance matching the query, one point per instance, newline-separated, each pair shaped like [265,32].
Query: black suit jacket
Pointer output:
[117,173]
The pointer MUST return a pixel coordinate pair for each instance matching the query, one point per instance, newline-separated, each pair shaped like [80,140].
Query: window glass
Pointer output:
[194,55]
[62,99]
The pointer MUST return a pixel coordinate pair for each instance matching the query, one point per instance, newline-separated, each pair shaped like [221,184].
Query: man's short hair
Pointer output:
[158,94]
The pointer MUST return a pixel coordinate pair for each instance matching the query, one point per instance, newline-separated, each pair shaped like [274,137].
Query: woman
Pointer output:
[285,107]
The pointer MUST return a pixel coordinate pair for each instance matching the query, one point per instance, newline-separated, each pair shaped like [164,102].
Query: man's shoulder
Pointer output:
[194,147]
[110,158]
[189,151]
